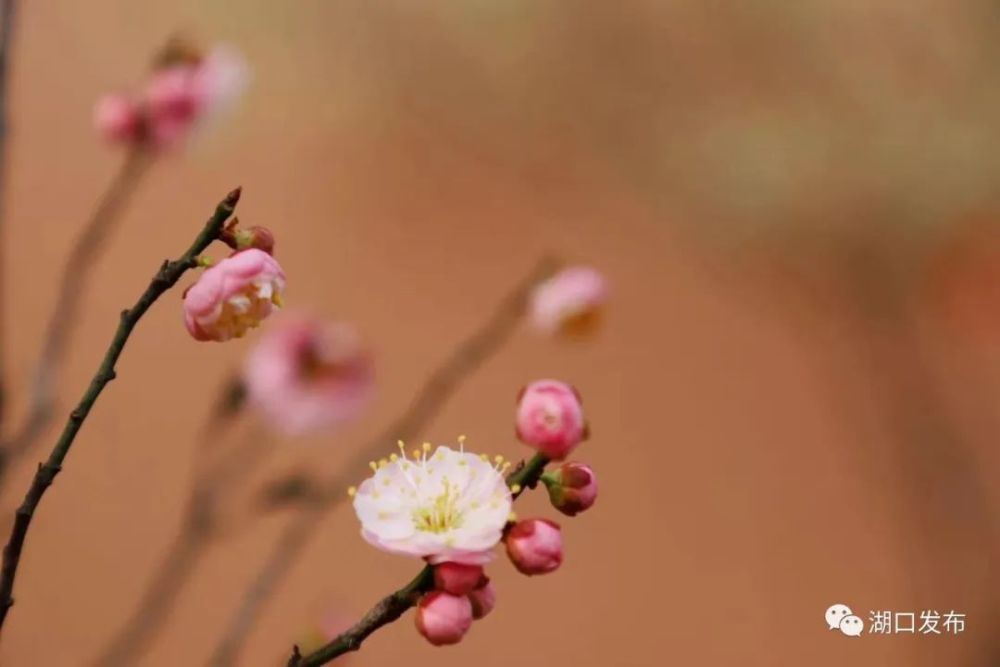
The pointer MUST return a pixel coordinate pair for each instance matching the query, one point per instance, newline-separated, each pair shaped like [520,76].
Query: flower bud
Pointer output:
[483,599]
[572,487]
[443,618]
[255,237]
[550,418]
[535,546]
[569,303]
[457,578]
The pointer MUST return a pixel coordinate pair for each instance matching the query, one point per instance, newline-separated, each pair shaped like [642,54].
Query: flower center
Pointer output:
[442,515]
[246,310]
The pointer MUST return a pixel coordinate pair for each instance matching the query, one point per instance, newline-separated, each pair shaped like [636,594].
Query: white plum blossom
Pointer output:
[449,506]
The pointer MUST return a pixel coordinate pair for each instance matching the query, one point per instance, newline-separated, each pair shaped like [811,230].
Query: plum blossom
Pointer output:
[570,302]
[535,546]
[307,375]
[182,94]
[572,487]
[457,578]
[483,599]
[445,506]
[443,618]
[234,296]
[550,418]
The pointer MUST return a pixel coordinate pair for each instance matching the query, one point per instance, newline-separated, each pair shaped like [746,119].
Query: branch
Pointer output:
[62,321]
[430,398]
[391,607]
[8,15]
[165,278]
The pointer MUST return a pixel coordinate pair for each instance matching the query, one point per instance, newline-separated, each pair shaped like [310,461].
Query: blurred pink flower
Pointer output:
[572,488]
[550,418]
[233,296]
[116,118]
[535,546]
[306,375]
[180,97]
[443,618]
[183,96]
[570,302]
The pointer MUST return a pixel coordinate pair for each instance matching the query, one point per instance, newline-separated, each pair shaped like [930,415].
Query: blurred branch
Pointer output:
[8,16]
[430,398]
[167,276]
[63,320]
[198,529]
[391,607]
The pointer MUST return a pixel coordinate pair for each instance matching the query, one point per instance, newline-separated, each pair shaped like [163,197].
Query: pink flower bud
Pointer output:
[306,375]
[535,546]
[483,599]
[117,119]
[550,418]
[457,578]
[572,487]
[570,302]
[233,296]
[443,618]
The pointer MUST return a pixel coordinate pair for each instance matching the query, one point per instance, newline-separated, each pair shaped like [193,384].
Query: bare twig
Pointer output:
[429,400]
[8,17]
[167,276]
[391,607]
[62,321]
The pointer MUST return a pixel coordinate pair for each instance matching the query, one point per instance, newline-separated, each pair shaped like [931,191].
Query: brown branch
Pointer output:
[394,605]
[8,16]
[66,311]
[430,398]
[165,278]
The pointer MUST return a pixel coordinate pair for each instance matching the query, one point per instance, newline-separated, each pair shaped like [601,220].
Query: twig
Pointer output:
[62,321]
[391,607]
[165,278]
[8,16]
[430,398]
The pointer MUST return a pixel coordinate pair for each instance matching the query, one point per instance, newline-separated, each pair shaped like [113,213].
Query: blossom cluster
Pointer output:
[185,89]
[452,508]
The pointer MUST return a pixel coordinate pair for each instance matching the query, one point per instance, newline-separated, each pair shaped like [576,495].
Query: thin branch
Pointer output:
[62,321]
[430,398]
[8,17]
[165,278]
[391,607]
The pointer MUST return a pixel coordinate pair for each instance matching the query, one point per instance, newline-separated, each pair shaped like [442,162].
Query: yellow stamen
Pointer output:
[351,491]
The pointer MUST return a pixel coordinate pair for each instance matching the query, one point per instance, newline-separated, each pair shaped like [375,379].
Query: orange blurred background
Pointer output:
[793,399]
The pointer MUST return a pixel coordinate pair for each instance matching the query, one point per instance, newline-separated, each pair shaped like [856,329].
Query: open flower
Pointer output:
[306,375]
[570,302]
[449,506]
[234,296]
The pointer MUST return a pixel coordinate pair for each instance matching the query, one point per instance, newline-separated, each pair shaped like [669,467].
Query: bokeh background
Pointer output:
[793,398]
